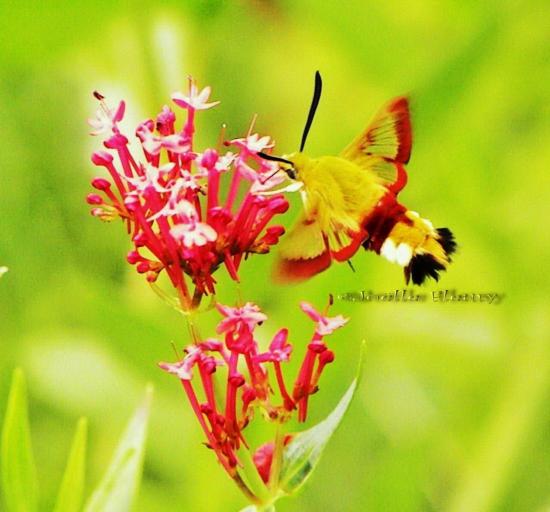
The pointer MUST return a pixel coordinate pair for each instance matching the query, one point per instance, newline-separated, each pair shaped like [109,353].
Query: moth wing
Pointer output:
[385,146]
[343,242]
[311,245]
[303,252]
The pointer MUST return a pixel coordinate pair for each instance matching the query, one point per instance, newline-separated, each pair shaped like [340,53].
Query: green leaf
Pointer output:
[118,487]
[18,470]
[70,494]
[302,454]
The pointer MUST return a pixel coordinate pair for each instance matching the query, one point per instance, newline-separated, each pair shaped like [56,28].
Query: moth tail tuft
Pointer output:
[432,257]
[421,267]
[423,251]
[447,241]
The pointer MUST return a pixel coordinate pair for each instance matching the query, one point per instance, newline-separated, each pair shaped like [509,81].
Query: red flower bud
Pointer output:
[94,199]
[142,267]
[236,380]
[133,257]
[101,184]
[102,158]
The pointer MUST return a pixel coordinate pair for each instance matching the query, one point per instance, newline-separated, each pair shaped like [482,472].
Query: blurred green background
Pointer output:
[452,413]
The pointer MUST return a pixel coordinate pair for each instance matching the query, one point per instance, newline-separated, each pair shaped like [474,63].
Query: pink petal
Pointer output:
[279,340]
[119,114]
[310,311]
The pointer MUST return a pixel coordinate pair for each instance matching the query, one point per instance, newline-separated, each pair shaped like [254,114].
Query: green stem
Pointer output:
[277,460]
[193,328]
[253,479]
[245,490]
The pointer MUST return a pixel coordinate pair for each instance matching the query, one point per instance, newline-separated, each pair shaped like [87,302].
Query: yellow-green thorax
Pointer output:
[337,187]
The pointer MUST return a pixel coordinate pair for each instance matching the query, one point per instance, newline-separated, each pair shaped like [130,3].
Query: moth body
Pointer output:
[350,201]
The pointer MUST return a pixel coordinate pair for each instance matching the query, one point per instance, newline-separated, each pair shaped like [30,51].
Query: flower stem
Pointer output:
[253,478]
[277,460]
[244,488]
[193,327]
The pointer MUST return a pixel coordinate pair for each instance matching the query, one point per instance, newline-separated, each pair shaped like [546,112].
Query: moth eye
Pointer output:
[291,173]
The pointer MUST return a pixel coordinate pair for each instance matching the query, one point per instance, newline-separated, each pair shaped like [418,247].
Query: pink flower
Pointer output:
[195,354]
[193,234]
[325,325]
[183,369]
[248,315]
[106,119]
[279,349]
[151,178]
[194,100]
[176,143]
[317,357]
[165,121]
[254,143]
[151,143]
[212,344]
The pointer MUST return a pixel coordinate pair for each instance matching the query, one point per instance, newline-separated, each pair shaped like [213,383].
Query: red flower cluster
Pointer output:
[188,213]
[251,378]
[171,200]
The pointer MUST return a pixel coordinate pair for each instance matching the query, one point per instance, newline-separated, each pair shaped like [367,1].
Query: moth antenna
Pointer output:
[312,108]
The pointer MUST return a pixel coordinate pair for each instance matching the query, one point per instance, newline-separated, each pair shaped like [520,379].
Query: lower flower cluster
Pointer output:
[253,379]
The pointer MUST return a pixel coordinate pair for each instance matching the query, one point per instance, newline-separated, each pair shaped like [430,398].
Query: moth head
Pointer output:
[285,164]
[299,162]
